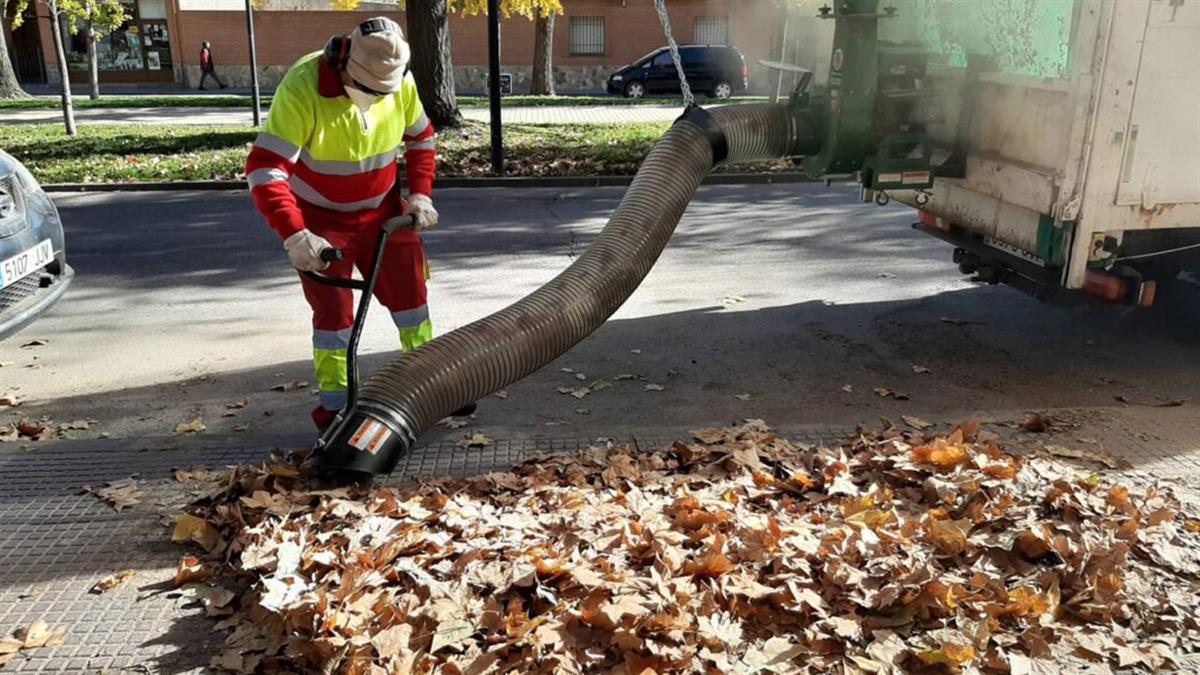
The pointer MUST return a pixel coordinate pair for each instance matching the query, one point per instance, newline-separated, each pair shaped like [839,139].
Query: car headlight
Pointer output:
[617,78]
[31,192]
[27,181]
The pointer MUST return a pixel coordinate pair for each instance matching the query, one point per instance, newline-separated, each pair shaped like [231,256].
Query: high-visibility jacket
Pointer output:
[316,151]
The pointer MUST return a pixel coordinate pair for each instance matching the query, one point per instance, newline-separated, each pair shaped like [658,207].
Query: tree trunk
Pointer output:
[429,35]
[542,82]
[93,65]
[61,56]
[10,87]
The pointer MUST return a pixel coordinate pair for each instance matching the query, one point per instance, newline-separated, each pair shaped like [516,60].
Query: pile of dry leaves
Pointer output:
[739,553]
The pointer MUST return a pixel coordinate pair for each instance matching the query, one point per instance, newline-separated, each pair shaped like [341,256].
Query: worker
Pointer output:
[323,174]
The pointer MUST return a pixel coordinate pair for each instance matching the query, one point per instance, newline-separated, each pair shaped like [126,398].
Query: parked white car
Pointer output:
[33,266]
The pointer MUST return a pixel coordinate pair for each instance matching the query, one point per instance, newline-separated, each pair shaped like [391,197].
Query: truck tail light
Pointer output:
[1103,285]
[933,221]
[1114,288]
[745,71]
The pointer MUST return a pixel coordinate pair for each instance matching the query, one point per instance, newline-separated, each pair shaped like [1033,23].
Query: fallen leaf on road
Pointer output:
[39,634]
[41,430]
[198,530]
[920,370]
[742,397]
[849,389]
[654,387]
[732,300]
[625,376]
[577,393]
[198,472]
[77,425]
[884,392]
[961,322]
[236,405]
[120,495]
[583,411]
[1037,423]
[9,400]
[111,581]
[453,422]
[35,343]
[1098,457]
[566,370]
[9,433]
[635,351]
[503,393]
[194,427]
[290,386]
[191,570]
[580,376]
[476,441]
[915,422]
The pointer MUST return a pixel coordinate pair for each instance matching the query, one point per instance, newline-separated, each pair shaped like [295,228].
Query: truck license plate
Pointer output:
[25,263]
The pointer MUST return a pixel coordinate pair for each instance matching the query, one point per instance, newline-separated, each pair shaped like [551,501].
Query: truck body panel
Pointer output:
[1078,120]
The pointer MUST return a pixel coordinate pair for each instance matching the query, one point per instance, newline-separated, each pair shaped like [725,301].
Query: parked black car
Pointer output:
[33,269]
[719,72]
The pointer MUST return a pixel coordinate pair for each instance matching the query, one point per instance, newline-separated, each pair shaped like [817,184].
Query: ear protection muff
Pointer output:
[337,51]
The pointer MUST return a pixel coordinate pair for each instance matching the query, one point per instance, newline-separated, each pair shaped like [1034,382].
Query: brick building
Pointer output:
[161,43]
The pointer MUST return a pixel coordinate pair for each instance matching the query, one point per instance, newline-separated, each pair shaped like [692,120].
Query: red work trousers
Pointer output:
[401,283]
[400,287]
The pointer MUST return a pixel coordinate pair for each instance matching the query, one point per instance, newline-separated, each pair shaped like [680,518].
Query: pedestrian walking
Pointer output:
[207,67]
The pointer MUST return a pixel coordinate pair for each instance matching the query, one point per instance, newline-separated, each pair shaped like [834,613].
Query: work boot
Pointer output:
[465,411]
[323,417]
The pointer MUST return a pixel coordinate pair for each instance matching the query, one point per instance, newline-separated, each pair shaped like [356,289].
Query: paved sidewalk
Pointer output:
[604,114]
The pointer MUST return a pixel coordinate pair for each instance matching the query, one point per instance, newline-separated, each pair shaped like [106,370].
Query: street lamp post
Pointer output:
[494,85]
[254,98]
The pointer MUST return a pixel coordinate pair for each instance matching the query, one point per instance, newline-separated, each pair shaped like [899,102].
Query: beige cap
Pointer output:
[379,58]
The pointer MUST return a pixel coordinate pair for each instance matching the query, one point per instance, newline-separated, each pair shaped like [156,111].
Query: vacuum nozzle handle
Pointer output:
[331,255]
[405,222]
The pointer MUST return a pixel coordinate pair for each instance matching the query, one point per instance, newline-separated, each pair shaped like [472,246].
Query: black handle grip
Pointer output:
[331,255]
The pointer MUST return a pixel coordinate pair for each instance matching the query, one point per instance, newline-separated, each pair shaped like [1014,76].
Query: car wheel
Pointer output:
[635,90]
[722,90]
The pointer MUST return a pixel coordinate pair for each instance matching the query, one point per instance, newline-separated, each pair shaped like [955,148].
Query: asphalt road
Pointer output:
[788,303]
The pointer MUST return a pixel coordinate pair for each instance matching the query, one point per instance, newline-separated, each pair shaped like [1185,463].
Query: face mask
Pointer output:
[361,98]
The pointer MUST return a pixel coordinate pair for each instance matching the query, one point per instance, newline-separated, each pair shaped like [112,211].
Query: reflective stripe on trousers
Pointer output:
[329,366]
[329,353]
[415,327]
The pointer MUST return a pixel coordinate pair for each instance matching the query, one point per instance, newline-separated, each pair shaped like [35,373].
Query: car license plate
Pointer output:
[25,263]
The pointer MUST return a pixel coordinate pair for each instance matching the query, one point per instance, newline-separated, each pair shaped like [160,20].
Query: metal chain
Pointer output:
[661,6]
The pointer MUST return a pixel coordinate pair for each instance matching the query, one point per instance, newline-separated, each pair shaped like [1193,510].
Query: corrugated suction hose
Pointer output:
[421,387]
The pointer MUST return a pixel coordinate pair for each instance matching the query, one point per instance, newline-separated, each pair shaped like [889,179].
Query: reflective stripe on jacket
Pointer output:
[316,152]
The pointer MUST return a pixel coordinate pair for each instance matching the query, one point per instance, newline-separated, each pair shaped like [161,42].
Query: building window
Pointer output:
[587,35]
[140,44]
[711,30]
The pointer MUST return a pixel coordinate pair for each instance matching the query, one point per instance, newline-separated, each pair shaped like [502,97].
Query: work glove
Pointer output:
[423,213]
[304,251]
